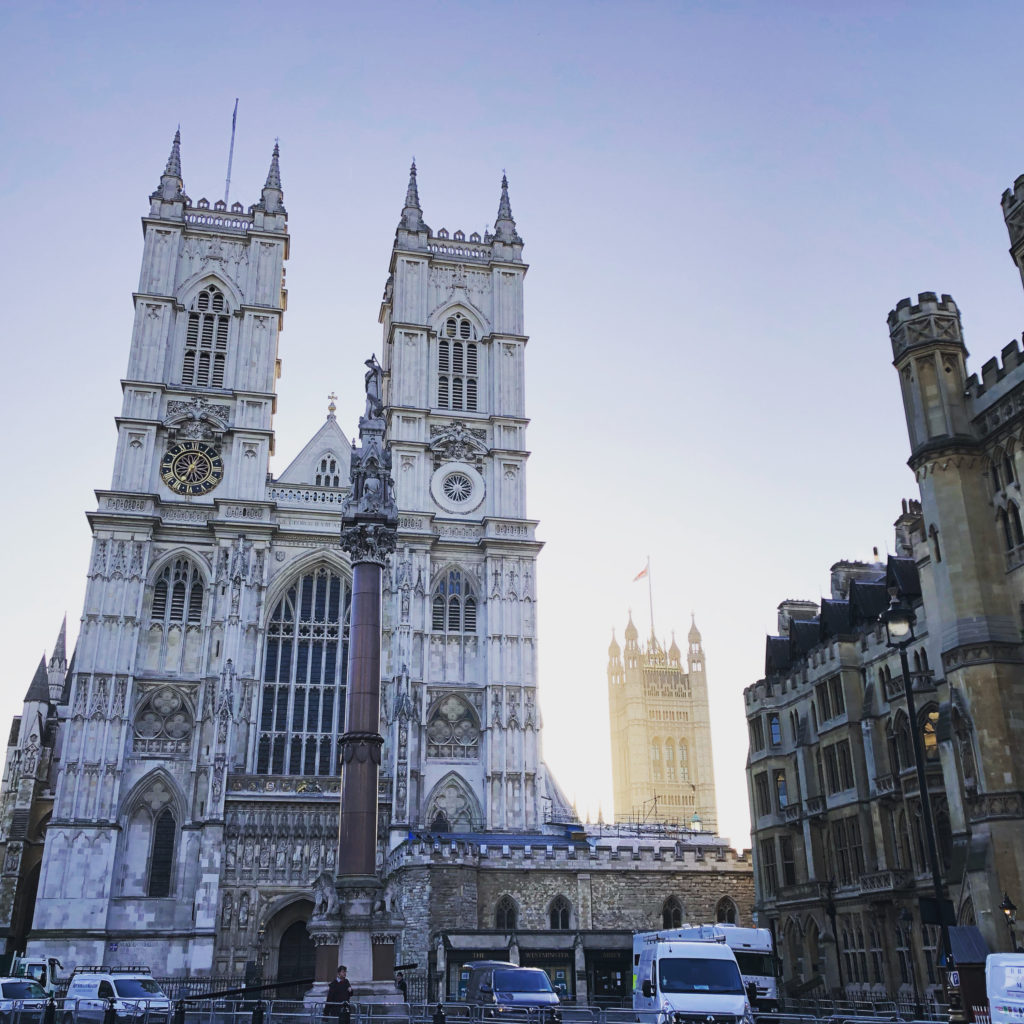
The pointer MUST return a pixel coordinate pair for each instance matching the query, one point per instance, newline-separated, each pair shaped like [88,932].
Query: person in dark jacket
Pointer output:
[338,992]
[402,986]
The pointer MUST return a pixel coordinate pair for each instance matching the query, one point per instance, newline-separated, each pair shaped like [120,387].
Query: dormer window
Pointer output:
[206,340]
[457,365]
[327,474]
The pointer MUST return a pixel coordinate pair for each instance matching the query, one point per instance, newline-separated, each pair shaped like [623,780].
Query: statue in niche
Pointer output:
[325,895]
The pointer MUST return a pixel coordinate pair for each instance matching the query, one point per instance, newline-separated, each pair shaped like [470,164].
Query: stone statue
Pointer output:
[325,896]
[374,389]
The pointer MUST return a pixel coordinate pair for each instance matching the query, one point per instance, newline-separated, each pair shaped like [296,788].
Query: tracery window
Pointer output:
[725,912]
[302,706]
[558,914]
[672,913]
[684,762]
[505,915]
[206,340]
[457,365]
[454,607]
[161,860]
[178,594]
[327,473]
[453,729]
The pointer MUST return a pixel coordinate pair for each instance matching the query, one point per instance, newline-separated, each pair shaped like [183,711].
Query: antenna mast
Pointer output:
[231,153]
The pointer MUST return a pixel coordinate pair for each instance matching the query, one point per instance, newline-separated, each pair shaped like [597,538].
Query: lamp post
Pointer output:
[899,621]
[830,910]
[1010,912]
[907,920]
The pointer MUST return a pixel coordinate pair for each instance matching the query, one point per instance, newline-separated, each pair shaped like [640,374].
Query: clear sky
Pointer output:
[720,203]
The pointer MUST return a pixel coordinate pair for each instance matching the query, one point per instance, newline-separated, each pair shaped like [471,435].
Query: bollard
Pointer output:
[179,1012]
[110,1013]
[257,1012]
[50,1013]
[438,1017]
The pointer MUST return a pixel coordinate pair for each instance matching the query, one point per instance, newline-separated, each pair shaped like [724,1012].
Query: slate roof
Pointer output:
[967,944]
[803,635]
[868,599]
[776,654]
[902,573]
[834,617]
[39,688]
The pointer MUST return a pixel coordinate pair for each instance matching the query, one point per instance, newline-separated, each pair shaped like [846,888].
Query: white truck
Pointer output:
[754,950]
[42,969]
[688,981]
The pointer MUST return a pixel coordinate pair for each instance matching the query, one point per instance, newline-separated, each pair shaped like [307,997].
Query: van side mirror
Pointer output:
[647,988]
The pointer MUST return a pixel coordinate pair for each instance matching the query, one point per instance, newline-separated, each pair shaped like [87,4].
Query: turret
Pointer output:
[412,214]
[57,669]
[169,200]
[632,650]
[614,661]
[1013,214]
[930,355]
[674,654]
[272,196]
[505,235]
[695,649]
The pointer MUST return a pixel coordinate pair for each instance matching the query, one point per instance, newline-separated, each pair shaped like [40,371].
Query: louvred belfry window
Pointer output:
[178,595]
[453,609]
[302,704]
[457,362]
[206,340]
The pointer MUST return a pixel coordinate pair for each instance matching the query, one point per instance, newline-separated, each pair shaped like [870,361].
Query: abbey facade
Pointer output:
[171,796]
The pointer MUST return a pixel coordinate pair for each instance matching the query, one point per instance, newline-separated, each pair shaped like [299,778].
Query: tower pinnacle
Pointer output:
[412,214]
[170,186]
[274,174]
[173,167]
[504,224]
[272,197]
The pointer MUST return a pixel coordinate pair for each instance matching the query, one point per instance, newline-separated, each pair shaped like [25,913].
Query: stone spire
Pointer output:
[412,214]
[272,197]
[170,186]
[504,224]
[38,689]
[57,669]
[60,648]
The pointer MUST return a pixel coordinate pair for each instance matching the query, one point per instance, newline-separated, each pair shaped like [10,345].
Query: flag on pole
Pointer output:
[642,573]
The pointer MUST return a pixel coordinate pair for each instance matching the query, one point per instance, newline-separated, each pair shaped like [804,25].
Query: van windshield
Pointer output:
[717,977]
[760,964]
[138,988]
[22,990]
[521,981]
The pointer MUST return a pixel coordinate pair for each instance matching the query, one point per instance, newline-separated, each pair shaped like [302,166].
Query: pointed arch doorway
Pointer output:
[296,958]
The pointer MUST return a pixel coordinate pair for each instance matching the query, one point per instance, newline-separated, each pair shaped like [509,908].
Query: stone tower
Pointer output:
[662,766]
[460,606]
[166,653]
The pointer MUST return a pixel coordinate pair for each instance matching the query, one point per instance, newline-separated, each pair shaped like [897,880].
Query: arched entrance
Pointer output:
[296,958]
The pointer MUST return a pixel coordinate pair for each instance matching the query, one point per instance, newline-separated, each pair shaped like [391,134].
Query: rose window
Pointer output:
[458,487]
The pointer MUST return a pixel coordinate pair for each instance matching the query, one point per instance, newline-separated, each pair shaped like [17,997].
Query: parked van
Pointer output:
[691,981]
[505,989]
[137,998]
[1004,982]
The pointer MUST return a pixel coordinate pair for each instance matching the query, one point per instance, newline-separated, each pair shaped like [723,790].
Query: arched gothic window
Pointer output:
[453,729]
[505,915]
[178,594]
[305,661]
[327,473]
[672,913]
[161,859]
[725,912]
[670,761]
[440,823]
[656,760]
[558,914]
[453,609]
[684,762]
[206,340]
[457,365]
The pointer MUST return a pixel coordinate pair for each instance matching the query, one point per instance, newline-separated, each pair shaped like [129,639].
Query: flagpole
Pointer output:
[650,594]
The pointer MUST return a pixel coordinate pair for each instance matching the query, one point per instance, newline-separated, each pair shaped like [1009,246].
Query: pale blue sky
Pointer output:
[720,204]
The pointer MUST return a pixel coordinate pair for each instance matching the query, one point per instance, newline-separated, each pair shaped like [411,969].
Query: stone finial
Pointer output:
[412,214]
[504,224]
[173,168]
[272,197]
[331,407]
[274,174]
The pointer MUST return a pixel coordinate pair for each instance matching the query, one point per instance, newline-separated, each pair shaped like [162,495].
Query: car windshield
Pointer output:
[717,977]
[22,990]
[759,964]
[138,988]
[521,981]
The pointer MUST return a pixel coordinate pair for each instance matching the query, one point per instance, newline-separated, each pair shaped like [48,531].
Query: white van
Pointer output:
[1004,982]
[686,981]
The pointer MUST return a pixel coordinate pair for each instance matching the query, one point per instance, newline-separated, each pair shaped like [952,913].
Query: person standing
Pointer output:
[402,985]
[339,992]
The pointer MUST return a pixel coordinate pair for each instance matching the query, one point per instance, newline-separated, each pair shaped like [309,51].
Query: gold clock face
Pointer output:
[191,467]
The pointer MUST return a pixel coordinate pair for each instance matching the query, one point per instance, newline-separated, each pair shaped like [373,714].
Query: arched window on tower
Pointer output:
[161,858]
[672,913]
[453,609]
[327,473]
[558,914]
[206,340]
[725,912]
[302,704]
[178,595]
[656,761]
[670,761]
[684,762]
[1016,529]
[457,365]
[505,914]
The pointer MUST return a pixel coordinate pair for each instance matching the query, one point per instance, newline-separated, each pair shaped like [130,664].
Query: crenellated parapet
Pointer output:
[1013,211]
[929,321]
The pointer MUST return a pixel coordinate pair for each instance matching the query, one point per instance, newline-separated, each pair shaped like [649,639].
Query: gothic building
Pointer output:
[661,732]
[172,796]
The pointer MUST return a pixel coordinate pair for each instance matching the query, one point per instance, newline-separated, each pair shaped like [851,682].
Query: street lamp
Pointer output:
[899,622]
[1010,912]
[830,909]
[907,920]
